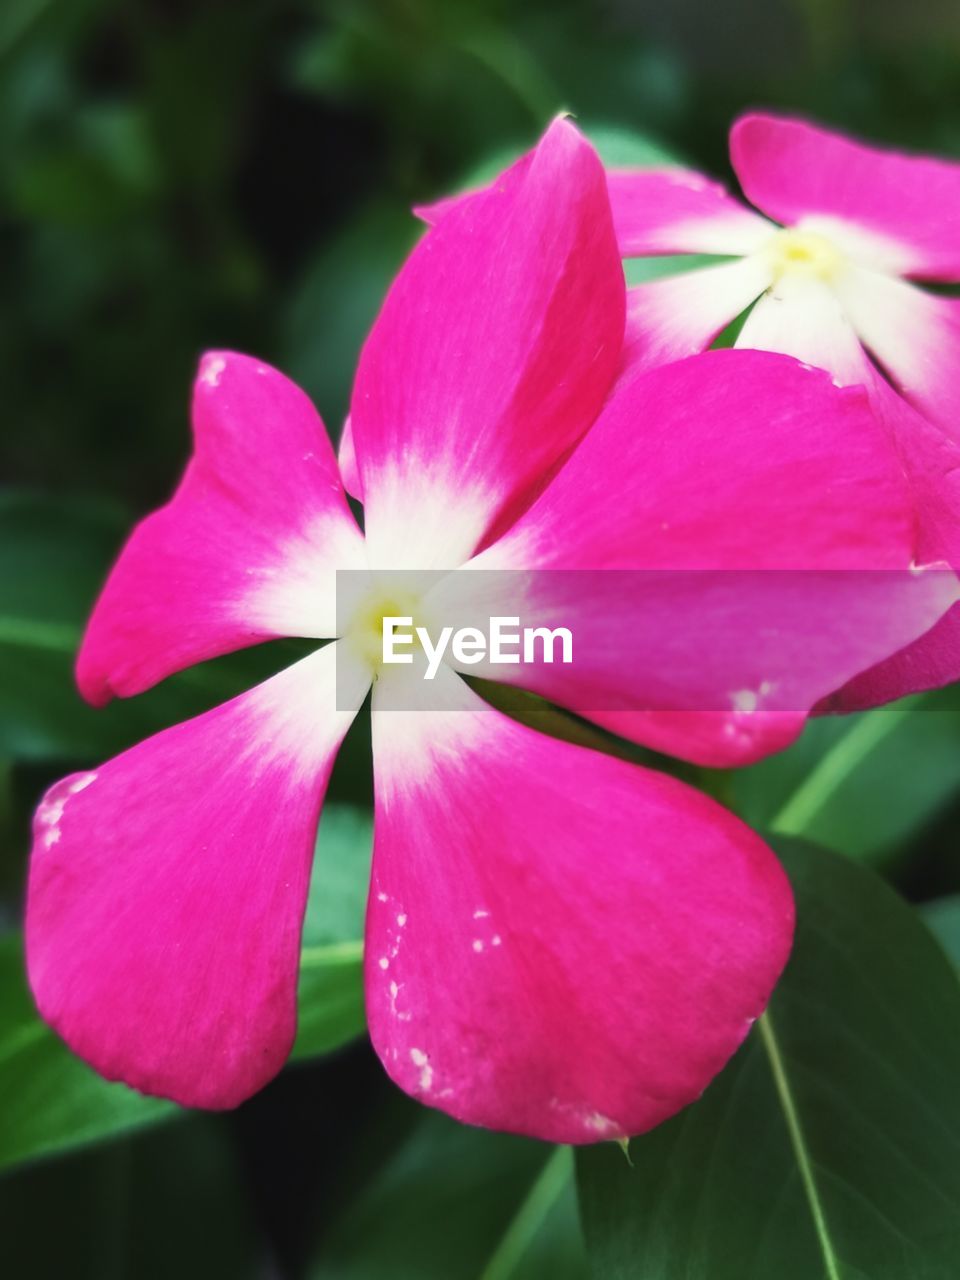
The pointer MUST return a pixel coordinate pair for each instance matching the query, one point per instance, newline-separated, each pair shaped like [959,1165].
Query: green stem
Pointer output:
[60,637]
[798,1142]
[531,1215]
[835,766]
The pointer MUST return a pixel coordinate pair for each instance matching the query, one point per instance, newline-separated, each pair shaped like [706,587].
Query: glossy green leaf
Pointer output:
[336,301]
[622,148]
[844,783]
[454,1203]
[829,1149]
[60,1102]
[154,1206]
[331,966]
[943,920]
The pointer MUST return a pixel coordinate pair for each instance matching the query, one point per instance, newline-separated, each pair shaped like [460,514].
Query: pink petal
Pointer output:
[558,943]
[493,352]
[167,891]
[347,461]
[659,211]
[791,170]
[681,315]
[247,548]
[932,462]
[914,335]
[931,662]
[436,210]
[805,319]
[721,470]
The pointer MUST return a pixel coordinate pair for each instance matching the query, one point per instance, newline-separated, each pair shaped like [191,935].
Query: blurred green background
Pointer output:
[184,174]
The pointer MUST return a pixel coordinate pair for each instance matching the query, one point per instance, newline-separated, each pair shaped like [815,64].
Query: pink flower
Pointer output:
[557,943]
[838,284]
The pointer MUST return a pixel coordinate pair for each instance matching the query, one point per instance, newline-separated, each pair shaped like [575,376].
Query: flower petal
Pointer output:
[574,961]
[914,335]
[907,204]
[247,548]
[167,891]
[347,461]
[493,353]
[681,315]
[932,463]
[436,210]
[805,319]
[658,211]
[931,662]
[753,502]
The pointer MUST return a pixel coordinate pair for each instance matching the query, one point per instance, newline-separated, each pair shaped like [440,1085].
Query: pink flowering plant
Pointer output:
[567,936]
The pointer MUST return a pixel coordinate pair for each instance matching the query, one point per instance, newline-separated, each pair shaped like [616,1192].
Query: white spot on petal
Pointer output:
[420,1059]
[51,808]
[384,962]
[213,367]
[598,1123]
[478,944]
[745,701]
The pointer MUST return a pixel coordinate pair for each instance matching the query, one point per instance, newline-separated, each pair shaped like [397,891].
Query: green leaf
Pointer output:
[165,1203]
[829,1149]
[340,292]
[454,1203]
[330,998]
[16,18]
[621,148]
[60,1102]
[331,1009]
[844,785]
[943,920]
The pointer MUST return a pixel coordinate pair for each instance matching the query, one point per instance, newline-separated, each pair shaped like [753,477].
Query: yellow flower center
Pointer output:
[365,629]
[794,252]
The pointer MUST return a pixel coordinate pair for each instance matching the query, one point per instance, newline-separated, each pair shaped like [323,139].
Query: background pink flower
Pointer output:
[841,285]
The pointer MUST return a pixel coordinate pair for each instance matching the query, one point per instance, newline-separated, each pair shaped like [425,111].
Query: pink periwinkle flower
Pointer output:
[557,943]
[839,283]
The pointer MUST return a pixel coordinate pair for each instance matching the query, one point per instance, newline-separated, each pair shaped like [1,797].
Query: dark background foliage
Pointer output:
[184,174]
